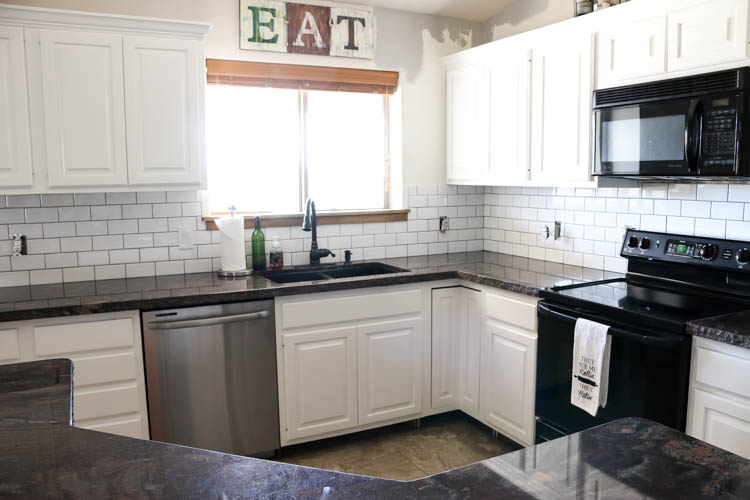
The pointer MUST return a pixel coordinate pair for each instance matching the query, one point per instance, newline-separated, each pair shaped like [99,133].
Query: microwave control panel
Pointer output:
[719,139]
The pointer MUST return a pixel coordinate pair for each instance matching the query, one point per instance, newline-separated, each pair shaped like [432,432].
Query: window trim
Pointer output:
[341,217]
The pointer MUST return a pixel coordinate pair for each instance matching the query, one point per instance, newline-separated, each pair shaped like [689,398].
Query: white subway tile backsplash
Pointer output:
[120,198]
[76,244]
[74,213]
[89,199]
[710,228]
[42,215]
[56,200]
[106,212]
[12,215]
[681,225]
[29,230]
[151,197]
[96,258]
[725,210]
[74,274]
[140,270]
[682,191]
[45,276]
[696,209]
[110,272]
[713,192]
[61,260]
[739,192]
[91,228]
[737,230]
[59,229]
[27,262]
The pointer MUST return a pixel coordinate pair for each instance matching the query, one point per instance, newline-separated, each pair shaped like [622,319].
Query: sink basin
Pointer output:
[327,272]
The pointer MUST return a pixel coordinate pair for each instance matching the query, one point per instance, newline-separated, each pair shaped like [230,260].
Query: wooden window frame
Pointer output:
[303,79]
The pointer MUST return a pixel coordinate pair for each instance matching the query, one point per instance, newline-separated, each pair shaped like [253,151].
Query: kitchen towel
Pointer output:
[591,352]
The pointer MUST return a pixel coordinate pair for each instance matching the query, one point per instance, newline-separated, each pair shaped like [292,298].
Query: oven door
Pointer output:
[651,139]
[648,374]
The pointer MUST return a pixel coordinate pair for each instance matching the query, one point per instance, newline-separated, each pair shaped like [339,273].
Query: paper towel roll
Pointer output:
[232,232]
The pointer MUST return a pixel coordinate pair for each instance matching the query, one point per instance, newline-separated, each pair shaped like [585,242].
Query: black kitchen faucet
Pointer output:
[310,223]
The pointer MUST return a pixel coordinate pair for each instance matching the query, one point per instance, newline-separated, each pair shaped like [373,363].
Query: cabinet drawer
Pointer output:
[104,369]
[347,309]
[78,337]
[511,310]
[130,427]
[105,402]
[723,370]
[9,350]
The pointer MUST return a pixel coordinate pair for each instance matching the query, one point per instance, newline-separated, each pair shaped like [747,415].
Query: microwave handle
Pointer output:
[692,127]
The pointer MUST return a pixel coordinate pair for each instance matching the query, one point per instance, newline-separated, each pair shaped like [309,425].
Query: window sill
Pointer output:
[353,217]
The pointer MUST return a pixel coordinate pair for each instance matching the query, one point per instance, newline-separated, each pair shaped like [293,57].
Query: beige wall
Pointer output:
[524,15]
[409,43]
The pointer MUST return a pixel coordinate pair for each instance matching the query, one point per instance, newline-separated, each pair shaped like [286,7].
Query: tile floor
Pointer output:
[402,451]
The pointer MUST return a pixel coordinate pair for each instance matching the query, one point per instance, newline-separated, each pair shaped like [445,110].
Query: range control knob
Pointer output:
[632,242]
[743,256]
[645,244]
[708,252]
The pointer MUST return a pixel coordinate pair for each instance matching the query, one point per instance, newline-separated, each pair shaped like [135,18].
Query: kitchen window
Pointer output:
[278,134]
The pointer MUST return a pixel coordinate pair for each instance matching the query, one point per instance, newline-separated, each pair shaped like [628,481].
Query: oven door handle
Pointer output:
[641,338]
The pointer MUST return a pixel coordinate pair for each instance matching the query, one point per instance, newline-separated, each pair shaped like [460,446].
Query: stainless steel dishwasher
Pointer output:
[211,377]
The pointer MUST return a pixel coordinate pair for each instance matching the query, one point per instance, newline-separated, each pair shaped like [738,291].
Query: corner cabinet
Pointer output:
[113,102]
[467,122]
[349,361]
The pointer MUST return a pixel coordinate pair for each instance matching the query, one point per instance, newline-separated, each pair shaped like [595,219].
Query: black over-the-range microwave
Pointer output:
[693,126]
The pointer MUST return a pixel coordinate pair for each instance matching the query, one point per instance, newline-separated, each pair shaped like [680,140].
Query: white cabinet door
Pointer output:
[721,421]
[389,369]
[448,324]
[508,374]
[83,106]
[510,108]
[469,350]
[320,381]
[467,125]
[164,108]
[561,109]
[709,33]
[15,137]
[10,351]
[632,50]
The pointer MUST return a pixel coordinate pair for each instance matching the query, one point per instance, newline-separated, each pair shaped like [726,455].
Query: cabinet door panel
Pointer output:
[468,125]
[469,363]
[83,102]
[10,351]
[163,105]
[708,33]
[508,380]
[561,110]
[510,109]
[448,323]
[15,138]
[632,50]
[320,377]
[722,422]
[389,375]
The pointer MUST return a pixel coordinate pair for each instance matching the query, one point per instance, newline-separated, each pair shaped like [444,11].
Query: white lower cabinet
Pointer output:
[508,372]
[389,370]
[320,370]
[719,406]
[349,360]
[109,392]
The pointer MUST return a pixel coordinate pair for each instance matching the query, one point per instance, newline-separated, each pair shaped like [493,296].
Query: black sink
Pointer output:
[327,272]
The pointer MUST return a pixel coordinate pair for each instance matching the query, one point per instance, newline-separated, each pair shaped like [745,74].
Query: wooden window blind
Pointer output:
[291,76]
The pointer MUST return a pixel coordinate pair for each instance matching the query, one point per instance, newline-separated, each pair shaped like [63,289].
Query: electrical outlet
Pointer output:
[443,224]
[185,238]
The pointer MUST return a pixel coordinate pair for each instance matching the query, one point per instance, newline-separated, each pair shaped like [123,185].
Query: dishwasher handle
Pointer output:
[209,321]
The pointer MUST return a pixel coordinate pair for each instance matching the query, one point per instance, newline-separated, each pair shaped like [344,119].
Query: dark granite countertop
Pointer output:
[629,458]
[733,329]
[67,299]
[37,392]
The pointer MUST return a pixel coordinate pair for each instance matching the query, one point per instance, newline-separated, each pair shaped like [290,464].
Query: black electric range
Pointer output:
[671,281]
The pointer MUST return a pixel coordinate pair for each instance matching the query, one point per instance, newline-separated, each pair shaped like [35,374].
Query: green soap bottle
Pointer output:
[258,240]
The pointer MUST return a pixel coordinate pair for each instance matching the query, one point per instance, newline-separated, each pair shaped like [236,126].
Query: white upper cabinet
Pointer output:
[111,102]
[468,123]
[15,138]
[510,105]
[163,102]
[561,109]
[708,33]
[632,50]
[84,112]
